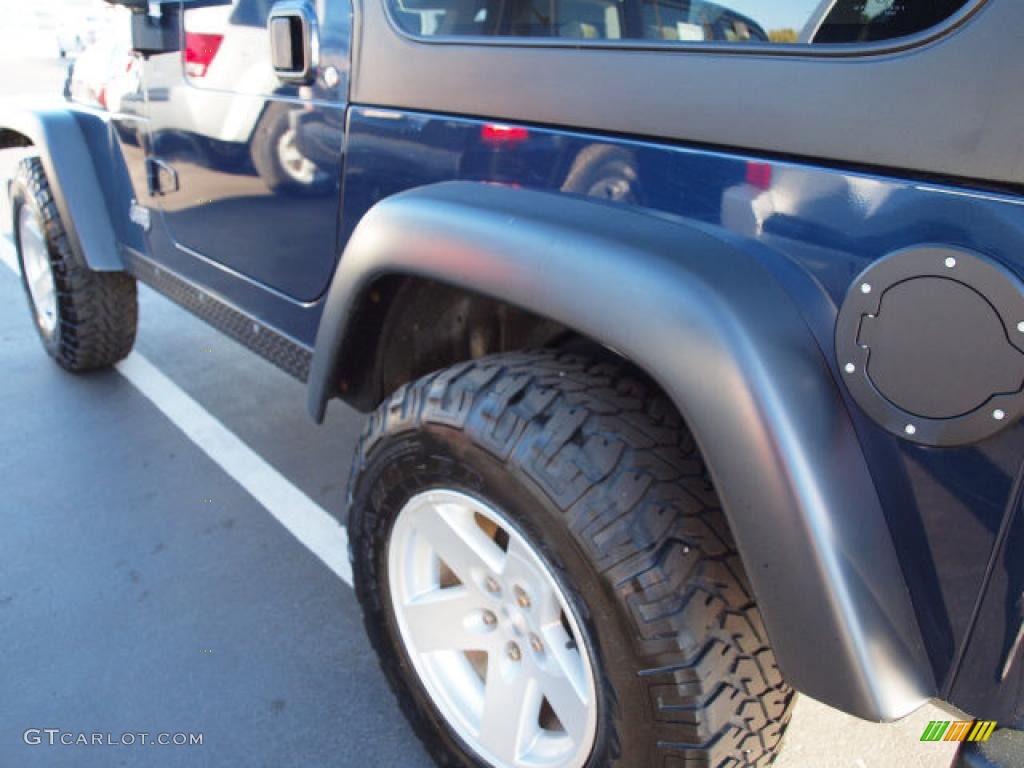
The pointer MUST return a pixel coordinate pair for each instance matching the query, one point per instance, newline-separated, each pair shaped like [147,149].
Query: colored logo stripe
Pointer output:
[982,730]
[959,730]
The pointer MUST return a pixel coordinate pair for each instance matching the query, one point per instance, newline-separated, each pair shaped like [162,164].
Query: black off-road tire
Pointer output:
[596,470]
[97,312]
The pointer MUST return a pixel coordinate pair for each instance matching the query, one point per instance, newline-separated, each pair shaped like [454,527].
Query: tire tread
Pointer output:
[98,311]
[613,454]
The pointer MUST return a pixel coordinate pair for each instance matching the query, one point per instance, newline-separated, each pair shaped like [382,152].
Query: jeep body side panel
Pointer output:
[86,176]
[822,227]
[251,164]
[809,106]
[717,331]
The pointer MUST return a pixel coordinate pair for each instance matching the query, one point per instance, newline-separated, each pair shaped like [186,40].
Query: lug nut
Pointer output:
[522,598]
[492,586]
[490,619]
[514,653]
[536,644]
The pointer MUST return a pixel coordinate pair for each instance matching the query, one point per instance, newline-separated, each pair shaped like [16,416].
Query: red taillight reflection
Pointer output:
[496,134]
[199,52]
[759,175]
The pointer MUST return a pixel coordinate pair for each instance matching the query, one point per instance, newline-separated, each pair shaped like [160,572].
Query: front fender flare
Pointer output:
[74,146]
[698,311]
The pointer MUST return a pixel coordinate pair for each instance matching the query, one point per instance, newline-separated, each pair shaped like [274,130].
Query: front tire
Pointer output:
[589,467]
[85,319]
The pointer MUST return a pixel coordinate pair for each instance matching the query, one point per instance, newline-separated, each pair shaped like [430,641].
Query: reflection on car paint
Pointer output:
[819,228]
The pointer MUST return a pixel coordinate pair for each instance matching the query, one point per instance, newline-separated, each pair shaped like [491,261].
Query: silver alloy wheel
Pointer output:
[35,259]
[491,634]
[299,167]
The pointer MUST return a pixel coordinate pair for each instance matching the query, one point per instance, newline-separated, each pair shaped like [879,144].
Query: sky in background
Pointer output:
[774,14]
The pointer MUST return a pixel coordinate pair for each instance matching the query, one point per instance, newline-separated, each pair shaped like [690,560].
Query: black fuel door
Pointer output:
[930,343]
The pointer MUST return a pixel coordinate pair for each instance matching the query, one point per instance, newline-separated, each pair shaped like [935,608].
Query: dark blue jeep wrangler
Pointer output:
[692,333]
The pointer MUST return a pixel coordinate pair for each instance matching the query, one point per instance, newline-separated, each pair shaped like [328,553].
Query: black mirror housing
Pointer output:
[155,34]
[152,33]
[138,6]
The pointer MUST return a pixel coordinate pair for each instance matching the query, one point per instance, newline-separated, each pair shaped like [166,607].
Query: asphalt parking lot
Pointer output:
[153,581]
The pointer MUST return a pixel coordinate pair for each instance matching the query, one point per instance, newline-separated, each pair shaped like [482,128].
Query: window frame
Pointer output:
[800,50]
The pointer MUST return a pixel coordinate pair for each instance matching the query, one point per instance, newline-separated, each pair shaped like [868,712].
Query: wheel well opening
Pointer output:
[405,327]
[10,138]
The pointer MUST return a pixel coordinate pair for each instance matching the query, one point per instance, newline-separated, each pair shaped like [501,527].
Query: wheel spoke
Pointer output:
[42,289]
[458,540]
[36,266]
[491,633]
[519,568]
[563,688]
[446,620]
[31,269]
[510,718]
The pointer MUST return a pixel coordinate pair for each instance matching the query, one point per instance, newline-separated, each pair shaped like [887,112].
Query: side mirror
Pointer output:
[155,27]
[153,35]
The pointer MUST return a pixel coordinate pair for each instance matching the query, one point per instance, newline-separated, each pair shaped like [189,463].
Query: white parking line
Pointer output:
[307,521]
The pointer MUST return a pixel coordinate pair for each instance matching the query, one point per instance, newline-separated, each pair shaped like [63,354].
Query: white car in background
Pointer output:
[103,74]
[224,52]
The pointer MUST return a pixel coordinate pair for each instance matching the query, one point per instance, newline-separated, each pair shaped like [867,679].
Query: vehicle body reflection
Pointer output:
[226,139]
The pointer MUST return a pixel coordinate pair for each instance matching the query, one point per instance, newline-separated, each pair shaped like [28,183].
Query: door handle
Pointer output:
[162,179]
[294,40]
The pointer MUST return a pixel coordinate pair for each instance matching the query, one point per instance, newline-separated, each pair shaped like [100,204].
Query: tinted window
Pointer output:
[862,21]
[683,21]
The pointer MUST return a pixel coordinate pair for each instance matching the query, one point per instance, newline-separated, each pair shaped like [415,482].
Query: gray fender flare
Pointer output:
[75,148]
[714,327]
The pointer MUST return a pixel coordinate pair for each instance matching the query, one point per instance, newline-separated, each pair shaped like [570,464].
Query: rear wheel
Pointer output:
[547,576]
[85,319]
